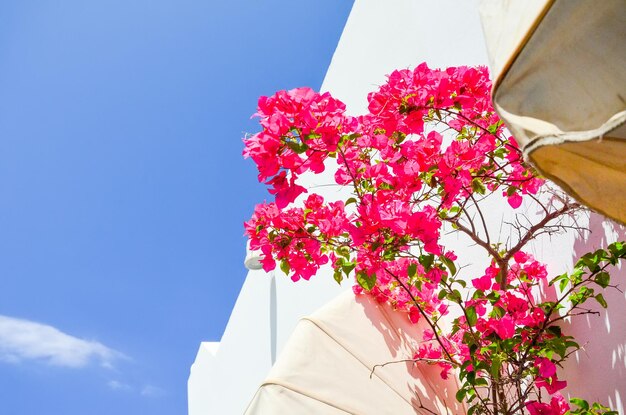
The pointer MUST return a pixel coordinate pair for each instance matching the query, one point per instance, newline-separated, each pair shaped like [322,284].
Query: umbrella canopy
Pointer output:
[560,86]
[326,366]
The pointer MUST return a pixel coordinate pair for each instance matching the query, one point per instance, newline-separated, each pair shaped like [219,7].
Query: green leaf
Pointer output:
[511,190]
[577,276]
[496,363]
[472,317]
[581,403]
[555,279]
[493,297]
[556,330]
[478,186]
[500,153]
[590,260]
[600,299]
[559,347]
[351,200]
[298,147]
[344,251]
[427,261]
[412,270]
[497,312]
[460,395]
[471,377]
[481,382]
[454,209]
[493,128]
[469,340]
[603,279]
[449,264]
[284,267]
[618,249]
[366,281]
[348,267]
[338,276]
[455,296]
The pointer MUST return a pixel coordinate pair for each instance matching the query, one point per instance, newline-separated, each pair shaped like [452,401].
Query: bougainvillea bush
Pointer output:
[428,158]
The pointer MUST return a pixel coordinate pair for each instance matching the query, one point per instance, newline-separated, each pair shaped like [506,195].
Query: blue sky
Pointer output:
[123,190]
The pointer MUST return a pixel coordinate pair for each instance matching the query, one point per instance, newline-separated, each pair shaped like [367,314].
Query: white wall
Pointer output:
[379,36]
[598,372]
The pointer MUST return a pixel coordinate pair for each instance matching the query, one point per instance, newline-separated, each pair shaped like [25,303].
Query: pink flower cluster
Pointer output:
[286,235]
[300,129]
[557,406]
[500,313]
[403,176]
[408,180]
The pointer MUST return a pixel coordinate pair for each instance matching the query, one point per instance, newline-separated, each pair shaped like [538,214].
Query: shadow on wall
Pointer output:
[598,371]
[420,384]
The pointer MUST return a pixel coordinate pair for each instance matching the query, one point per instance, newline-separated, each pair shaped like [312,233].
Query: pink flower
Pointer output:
[546,368]
[538,408]
[414,315]
[515,200]
[285,189]
[538,316]
[520,257]
[504,327]
[445,370]
[552,385]
[483,283]
[406,180]
[559,404]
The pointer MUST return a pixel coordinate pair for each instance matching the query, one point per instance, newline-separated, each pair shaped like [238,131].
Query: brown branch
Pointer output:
[567,207]
[433,326]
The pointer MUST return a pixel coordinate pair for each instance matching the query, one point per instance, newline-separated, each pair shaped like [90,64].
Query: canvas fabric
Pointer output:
[560,87]
[326,366]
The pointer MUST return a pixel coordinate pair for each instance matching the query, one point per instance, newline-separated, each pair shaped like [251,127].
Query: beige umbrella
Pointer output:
[326,366]
[560,86]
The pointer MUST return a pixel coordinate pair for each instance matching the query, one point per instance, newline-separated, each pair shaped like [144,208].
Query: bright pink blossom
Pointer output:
[483,283]
[557,406]
[545,367]
[504,327]
[515,200]
[409,184]
[552,385]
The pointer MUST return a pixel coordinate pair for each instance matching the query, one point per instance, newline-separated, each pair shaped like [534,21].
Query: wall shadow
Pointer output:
[598,371]
[421,382]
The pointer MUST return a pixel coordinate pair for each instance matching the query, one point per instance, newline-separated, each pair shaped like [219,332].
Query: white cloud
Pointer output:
[28,340]
[150,390]
[116,385]
[147,391]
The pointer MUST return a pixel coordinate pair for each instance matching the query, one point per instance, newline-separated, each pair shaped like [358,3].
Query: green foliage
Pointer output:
[583,408]
[412,270]
[449,264]
[338,276]
[366,281]
[590,268]
[427,261]
[471,315]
